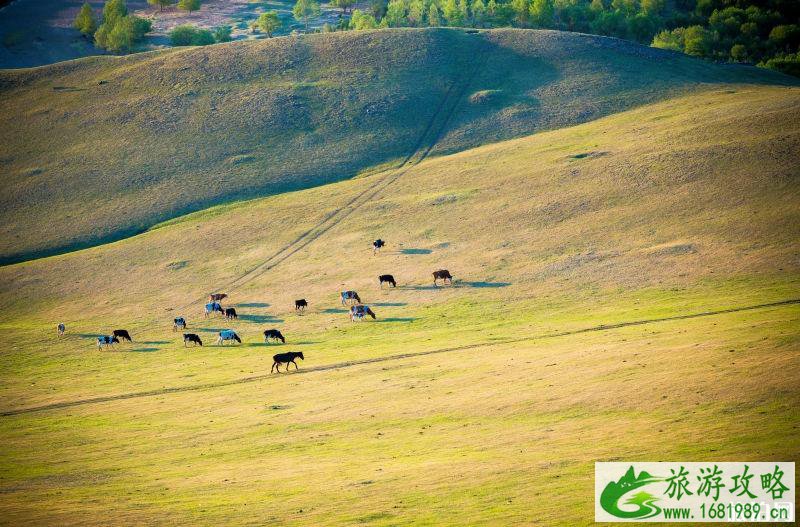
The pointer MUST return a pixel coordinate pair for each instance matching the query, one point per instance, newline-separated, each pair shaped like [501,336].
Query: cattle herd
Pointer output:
[358,311]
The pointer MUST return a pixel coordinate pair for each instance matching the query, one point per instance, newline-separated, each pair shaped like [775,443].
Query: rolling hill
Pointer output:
[624,289]
[104,147]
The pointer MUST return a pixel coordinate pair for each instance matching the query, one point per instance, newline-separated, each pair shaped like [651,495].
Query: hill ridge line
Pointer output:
[388,358]
[415,157]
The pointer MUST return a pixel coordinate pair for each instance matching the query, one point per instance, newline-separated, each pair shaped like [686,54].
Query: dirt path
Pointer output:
[401,356]
[434,130]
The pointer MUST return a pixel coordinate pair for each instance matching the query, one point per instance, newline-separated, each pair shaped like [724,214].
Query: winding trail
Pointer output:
[433,132]
[388,358]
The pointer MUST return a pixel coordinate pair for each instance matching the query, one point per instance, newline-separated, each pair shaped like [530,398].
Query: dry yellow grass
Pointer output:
[680,207]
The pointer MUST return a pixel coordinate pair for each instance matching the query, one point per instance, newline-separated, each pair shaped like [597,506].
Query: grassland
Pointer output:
[573,252]
[105,147]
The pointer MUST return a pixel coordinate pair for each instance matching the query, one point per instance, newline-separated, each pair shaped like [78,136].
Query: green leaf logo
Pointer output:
[616,490]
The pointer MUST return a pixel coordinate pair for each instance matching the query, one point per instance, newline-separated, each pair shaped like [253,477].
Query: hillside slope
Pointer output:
[648,198]
[103,147]
[625,288]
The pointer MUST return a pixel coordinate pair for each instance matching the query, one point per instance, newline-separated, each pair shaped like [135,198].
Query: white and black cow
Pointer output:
[350,297]
[106,340]
[228,335]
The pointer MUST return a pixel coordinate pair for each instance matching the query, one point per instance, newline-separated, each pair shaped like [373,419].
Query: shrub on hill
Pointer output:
[189,5]
[120,31]
[268,22]
[85,22]
[223,34]
[189,35]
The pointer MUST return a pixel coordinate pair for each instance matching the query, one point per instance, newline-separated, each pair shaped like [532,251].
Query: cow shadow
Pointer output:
[68,88]
[261,319]
[389,304]
[142,350]
[153,342]
[339,310]
[204,330]
[397,319]
[420,287]
[253,304]
[481,285]
[415,251]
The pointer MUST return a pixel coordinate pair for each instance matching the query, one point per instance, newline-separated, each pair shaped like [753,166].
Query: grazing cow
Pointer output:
[228,334]
[286,358]
[211,307]
[273,334]
[179,323]
[350,295]
[61,329]
[443,275]
[387,278]
[230,313]
[300,305]
[216,297]
[358,312]
[106,341]
[193,338]
[122,334]
[376,245]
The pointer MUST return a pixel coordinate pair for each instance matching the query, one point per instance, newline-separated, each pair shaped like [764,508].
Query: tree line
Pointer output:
[762,32]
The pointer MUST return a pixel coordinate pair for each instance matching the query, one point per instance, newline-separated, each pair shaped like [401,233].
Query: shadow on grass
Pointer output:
[142,350]
[389,304]
[481,285]
[261,319]
[420,287]
[152,342]
[68,88]
[397,319]
[335,310]
[207,330]
[253,304]
[457,285]
[415,251]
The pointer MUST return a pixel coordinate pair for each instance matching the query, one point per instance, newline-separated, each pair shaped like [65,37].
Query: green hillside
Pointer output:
[625,289]
[104,147]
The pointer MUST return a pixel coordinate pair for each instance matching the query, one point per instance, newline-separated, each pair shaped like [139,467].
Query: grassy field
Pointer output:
[623,290]
[105,147]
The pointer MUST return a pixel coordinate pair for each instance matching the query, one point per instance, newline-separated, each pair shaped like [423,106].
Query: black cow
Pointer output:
[122,334]
[286,358]
[387,278]
[273,334]
[193,338]
[230,313]
[377,244]
[300,305]
[61,329]
[443,275]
